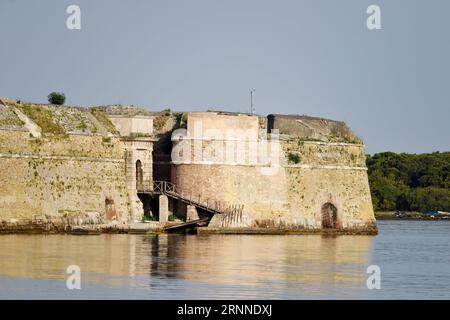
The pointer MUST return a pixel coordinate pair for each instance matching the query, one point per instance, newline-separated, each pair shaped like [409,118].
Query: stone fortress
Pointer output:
[116,166]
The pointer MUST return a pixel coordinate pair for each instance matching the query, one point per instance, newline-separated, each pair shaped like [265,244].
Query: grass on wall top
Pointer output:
[103,119]
[43,118]
[8,118]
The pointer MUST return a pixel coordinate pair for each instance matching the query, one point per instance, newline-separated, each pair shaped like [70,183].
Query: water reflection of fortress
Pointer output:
[307,261]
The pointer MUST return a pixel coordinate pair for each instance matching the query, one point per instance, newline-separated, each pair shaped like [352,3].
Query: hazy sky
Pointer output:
[309,57]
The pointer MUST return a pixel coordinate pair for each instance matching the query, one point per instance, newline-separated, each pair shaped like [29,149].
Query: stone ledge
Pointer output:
[33,226]
[236,164]
[146,227]
[10,128]
[43,157]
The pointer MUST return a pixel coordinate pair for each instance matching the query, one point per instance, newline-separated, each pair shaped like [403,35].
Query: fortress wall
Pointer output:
[347,190]
[329,173]
[325,154]
[61,176]
[290,198]
[95,146]
[263,196]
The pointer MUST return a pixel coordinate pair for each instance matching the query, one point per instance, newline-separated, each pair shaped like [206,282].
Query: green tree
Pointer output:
[56,98]
[410,181]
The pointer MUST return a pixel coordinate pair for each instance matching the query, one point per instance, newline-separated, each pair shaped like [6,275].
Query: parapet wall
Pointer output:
[133,126]
[311,128]
[214,125]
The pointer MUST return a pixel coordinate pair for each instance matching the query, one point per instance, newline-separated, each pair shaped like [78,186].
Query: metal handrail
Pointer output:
[169,188]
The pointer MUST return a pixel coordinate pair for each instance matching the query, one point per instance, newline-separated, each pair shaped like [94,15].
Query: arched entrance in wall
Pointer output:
[329,216]
[110,209]
[139,176]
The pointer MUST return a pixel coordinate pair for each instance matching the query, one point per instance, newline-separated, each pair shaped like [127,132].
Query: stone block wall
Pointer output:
[290,196]
[55,178]
[72,173]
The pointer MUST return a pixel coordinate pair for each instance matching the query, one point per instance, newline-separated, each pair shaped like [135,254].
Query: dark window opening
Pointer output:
[139,176]
[329,216]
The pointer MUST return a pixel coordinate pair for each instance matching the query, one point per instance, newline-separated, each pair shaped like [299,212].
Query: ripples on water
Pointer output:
[413,257]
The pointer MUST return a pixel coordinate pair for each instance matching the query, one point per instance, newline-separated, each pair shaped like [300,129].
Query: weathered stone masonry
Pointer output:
[328,182]
[44,179]
[72,166]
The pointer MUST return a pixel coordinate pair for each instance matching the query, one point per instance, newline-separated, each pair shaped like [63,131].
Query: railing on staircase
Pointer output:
[213,206]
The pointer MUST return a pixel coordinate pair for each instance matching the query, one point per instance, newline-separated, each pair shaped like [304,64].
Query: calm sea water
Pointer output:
[413,256]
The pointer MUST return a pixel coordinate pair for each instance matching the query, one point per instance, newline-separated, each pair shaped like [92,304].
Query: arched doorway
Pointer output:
[329,216]
[110,209]
[139,176]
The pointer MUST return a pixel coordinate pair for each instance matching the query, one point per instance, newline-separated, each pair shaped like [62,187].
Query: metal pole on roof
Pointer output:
[252,101]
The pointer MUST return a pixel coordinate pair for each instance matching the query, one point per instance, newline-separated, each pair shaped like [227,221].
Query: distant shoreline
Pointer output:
[413,215]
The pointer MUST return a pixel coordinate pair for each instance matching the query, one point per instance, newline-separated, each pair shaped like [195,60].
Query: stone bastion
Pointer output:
[70,166]
[290,173]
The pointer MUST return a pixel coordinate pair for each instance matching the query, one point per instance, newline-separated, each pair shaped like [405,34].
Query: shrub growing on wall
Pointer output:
[293,158]
[56,98]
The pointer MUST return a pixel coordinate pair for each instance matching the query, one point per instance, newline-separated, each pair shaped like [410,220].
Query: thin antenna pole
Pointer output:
[252,101]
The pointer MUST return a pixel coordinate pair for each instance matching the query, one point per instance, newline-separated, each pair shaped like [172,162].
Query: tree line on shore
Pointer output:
[410,182]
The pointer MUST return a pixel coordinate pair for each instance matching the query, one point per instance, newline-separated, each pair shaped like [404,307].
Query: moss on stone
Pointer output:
[82,125]
[160,121]
[8,118]
[103,119]
[11,121]
[43,117]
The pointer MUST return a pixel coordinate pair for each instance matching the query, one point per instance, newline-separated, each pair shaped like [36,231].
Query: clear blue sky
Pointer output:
[310,57]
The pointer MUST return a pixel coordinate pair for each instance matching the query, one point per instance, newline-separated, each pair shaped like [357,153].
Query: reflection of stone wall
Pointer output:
[97,257]
[304,262]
